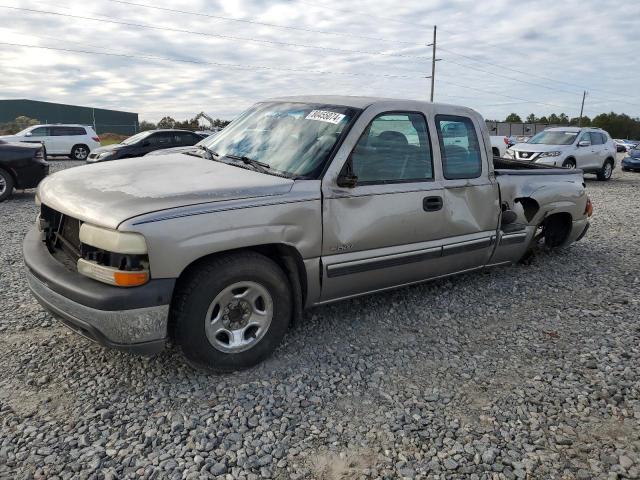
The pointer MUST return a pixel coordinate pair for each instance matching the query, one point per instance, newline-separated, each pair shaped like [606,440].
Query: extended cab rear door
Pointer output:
[471,195]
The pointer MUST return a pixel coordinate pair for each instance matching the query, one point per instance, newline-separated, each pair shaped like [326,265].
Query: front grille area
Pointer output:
[62,236]
[528,156]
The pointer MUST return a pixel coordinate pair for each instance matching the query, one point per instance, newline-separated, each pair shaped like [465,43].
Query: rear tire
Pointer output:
[232,311]
[79,152]
[555,231]
[6,185]
[606,171]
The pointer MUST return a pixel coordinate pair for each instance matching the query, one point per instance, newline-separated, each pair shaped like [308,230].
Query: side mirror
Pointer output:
[28,134]
[584,143]
[348,180]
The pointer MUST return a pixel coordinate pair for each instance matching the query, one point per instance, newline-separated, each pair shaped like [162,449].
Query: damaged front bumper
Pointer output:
[133,319]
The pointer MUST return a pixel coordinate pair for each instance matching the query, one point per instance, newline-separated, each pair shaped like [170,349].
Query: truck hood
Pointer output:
[107,194]
[533,147]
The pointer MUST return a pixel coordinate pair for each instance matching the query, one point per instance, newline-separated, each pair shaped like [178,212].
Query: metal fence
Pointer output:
[516,128]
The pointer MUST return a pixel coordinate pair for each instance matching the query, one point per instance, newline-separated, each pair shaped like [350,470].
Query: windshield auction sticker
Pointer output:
[325,116]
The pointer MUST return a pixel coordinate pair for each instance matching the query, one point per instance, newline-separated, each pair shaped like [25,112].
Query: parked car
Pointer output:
[499,145]
[620,147]
[628,144]
[74,141]
[590,149]
[513,139]
[301,201]
[632,161]
[22,165]
[144,142]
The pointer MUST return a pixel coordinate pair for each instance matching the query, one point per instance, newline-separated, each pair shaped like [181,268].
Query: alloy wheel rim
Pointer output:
[239,317]
[607,170]
[81,153]
[3,185]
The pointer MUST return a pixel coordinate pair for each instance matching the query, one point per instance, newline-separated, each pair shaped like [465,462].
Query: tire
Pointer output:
[606,171]
[213,314]
[555,231]
[625,169]
[569,163]
[79,152]
[6,185]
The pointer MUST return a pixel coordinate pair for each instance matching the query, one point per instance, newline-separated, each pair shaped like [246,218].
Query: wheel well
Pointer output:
[287,258]
[609,159]
[496,151]
[11,173]
[530,207]
[570,158]
[556,228]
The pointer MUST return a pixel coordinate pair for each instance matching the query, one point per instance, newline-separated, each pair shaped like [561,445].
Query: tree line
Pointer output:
[619,125]
[169,122]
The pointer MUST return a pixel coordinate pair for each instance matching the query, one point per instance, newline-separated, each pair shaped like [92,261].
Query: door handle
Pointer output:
[432,204]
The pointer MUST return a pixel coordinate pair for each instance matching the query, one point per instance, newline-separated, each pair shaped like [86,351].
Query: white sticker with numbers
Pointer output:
[325,116]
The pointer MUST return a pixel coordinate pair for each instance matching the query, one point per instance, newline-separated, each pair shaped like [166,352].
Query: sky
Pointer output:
[220,57]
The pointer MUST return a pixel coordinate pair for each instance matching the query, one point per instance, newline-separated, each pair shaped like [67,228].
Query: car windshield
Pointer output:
[136,138]
[291,138]
[22,133]
[558,137]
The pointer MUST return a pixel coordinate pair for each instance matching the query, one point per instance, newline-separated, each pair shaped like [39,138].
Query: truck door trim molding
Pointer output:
[395,260]
[513,238]
[358,266]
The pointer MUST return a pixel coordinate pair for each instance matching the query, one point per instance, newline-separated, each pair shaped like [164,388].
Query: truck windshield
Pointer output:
[554,138]
[291,138]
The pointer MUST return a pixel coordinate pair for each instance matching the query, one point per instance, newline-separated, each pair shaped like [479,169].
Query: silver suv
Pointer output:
[590,149]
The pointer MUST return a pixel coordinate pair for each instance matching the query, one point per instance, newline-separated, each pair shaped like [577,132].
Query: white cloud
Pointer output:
[579,43]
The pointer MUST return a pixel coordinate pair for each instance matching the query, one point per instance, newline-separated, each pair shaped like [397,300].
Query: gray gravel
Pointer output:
[529,371]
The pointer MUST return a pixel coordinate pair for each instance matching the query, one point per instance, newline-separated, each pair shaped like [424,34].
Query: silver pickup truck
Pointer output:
[301,201]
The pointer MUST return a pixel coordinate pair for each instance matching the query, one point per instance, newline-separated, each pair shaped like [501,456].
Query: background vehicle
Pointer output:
[144,142]
[499,145]
[300,201]
[590,149]
[74,141]
[627,144]
[632,161]
[513,139]
[22,165]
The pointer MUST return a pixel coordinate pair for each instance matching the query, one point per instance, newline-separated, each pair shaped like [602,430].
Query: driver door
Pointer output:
[385,230]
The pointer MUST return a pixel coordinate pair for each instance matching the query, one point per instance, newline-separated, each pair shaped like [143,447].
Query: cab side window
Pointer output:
[461,154]
[40,132]
[161,139]
[585,137]
[597,138]
[394,148]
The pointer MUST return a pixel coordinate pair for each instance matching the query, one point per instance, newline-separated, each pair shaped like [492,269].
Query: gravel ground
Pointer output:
[529,371]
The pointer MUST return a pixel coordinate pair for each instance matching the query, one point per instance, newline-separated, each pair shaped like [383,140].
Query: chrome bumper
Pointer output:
[141,330]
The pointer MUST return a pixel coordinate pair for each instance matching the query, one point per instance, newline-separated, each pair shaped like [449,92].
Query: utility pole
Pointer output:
[433,62]
[584,94]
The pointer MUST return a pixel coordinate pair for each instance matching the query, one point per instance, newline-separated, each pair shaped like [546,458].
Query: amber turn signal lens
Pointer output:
[130,279]
[589,208]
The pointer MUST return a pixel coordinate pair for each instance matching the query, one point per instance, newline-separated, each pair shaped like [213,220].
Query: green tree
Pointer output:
[18,124]
[144,126]
[531,118]
[543,119]
[618,125]
[513,117]
[575,121]
[554,119]
[167,122]
[563,119]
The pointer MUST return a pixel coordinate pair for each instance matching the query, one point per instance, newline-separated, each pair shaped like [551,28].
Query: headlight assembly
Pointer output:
[550,154]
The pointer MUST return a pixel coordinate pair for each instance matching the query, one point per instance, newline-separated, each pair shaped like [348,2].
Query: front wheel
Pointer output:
[606,171]
[6,185]
[569,163]
[231,312]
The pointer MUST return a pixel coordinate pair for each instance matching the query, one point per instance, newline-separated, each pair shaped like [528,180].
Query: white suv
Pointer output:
[76,141]
[590,149]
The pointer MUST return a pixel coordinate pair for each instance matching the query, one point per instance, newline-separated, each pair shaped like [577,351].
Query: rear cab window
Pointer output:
[459,147]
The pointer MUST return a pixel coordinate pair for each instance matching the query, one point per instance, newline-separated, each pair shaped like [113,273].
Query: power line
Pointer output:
[525,100]
[239,66]
[207,34]
[264,24]
[529,74]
